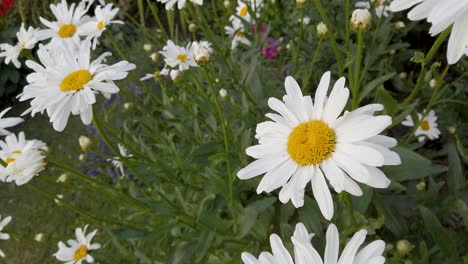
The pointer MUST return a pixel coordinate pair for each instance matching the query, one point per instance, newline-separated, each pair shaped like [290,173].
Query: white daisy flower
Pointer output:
[24,159]
[304,251]
[180,3]
[244,8]
[117,162]
[103,17]
[156,75]
[427,127]
[69,86]
[8,122]
[69,24]
[202,51]
[26,40]
[380,6]
[77,250]
[309,141]
[4,236]
[175,75]
[441,14]
[177,56]
[236,31]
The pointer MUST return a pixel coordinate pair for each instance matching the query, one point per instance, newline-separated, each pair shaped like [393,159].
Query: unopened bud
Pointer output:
[404,247]
[403,75]
[227,4]
[85,143]
[128,105]
[39,237]
[147,47]
[154,56]
[399,24]
[223,93]
[361,19]
[62,178]
[433,83]
[58,199]
[301,3]
[82,157]
[452,130]
[192,28]
[421,186]
[322,30]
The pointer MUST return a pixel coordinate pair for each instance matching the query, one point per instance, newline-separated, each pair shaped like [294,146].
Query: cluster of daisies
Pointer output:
[180,3]
[178,59]
[64,81]
[246,14]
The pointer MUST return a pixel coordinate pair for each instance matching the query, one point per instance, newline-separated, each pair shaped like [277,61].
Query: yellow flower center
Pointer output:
[424,125]
[80,253]
[240,34]
[243,11]
[75,80]
[182,57]
[67,30]
[9,159]
[100,25]
[311,143]
[377,3]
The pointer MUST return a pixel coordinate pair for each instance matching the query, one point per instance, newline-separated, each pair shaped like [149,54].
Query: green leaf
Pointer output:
[461,150]
[455,175]
[249,217]
[440,236]
[393,221]
[418,57]
[413,166]
[374,84]
[390,104]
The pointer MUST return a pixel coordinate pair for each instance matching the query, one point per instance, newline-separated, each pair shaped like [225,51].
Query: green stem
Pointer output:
[347,24]
[437,44]
[154,11]
[116,46]
[104,136]
[3,163]
[311,67]
[357,69]
[298,49]
[349,202]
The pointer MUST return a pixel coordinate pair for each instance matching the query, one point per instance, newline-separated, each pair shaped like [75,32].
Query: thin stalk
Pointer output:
[357,69]
[141,13]
[154,11]
[349,203]
[347,24]
[312,63]
[116,46]
[298,49]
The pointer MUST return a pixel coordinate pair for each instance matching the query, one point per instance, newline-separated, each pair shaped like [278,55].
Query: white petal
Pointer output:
[333,245]
[322,194]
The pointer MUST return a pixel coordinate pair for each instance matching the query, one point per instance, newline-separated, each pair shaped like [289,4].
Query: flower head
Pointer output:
[237,32]
[104,16]
[427,127]
[304,251]
[361,19]
[8,122]
[67,82]
[380,6]
[77,250]
[309,141]
[177,56]
[202,51]
[26,40]
[180,3]
[4,236]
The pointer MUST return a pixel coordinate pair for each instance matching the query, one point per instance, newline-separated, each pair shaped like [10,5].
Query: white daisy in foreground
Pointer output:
[441,14]
[427,127]
[304,251]
[8,122]
[309,141]
[4,236]
[70,85]
[380,6]
[236,31]
[26,40]
[177,56]
[69,24]
[158,74]
[202,51]
[117,162]
[103,18]
[77,250]
[180,3]
[24,159]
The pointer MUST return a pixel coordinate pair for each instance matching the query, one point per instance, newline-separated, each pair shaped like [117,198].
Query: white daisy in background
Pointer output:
[69,24]
[236,31]
[304,251]
[244,8]
[427,127]
[4,236]
[175,75]
[177,56]
[77,250]
[103,17]
[24,159]
[309,141]
[8,122]
[180,3]
[117,162]
[202,51]
[380,6]
[158,74]
[441,14]
[26,40]
[70,86]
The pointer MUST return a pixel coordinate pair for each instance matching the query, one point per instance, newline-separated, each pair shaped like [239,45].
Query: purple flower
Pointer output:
[270,48]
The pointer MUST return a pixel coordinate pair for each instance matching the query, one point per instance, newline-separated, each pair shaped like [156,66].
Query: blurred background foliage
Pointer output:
[174,205]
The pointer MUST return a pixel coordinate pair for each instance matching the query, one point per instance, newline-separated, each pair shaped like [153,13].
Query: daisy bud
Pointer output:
[301,3]
[421,186]
[192,28]
[403,75]
[361,19]
[404,247]
[227,4]
[392,51]
[223,93]
[400,24]
[128,105]
[433,83]
[322,30]
[175,75]
[62,178]
[82,157]
[452,130]
[58,199]
[202,51]
[216,80]
[85,143]
[39,237]
[147,47]
[154,56]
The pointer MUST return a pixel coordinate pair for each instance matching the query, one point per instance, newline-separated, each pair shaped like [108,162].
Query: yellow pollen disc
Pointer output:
[16,152]
[67,30]
[377,3]
[311,143]
[100,25]
[80,253]
[75,80]
[243,11]
[240,34]
[424,125]
[182,57]
[10,160]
